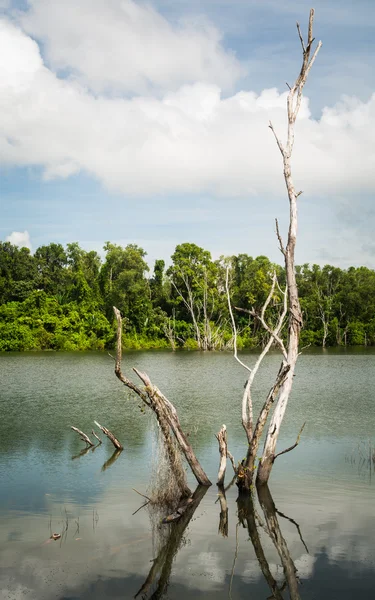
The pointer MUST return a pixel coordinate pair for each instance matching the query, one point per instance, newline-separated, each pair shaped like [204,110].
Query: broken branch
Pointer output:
[85,438]
[291,447]
[110,436]
[223,449]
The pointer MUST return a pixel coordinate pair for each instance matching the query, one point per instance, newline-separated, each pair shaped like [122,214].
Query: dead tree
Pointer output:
[282,387]
[245,471]
[174,438]
[295,313]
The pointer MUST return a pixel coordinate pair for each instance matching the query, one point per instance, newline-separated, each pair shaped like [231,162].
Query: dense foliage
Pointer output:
[62,298]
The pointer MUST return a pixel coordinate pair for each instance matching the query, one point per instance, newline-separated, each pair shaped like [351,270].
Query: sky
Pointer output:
[147,123]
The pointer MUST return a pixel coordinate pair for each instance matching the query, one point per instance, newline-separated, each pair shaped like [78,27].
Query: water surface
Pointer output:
[46,485]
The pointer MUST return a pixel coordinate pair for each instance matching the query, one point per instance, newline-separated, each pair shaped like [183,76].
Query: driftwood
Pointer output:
[167,418]
[85,438]
[110,436]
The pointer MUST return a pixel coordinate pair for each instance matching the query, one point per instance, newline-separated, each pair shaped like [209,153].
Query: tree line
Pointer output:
[61,298]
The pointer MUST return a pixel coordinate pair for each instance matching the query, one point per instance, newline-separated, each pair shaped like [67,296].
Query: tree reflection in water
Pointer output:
[170,538]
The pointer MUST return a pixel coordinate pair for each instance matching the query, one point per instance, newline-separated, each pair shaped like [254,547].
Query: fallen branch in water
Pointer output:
[110,436]
[96,435]
[85,438]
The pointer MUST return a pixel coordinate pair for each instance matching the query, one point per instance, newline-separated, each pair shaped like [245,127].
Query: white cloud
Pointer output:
[124,46]
[20,239]
[191,140]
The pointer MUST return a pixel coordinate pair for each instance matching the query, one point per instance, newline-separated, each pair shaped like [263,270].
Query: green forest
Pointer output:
[61,299]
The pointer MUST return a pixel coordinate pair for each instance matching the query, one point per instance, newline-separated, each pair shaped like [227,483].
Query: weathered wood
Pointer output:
[97,437]
[110,436]
[85,438]
[167,417]
[247,469]
[293,446]
[247,402]
[223,449]
[295,313]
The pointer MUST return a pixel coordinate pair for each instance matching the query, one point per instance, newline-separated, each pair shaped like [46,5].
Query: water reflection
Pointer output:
[160,572]
[170,541]
[112,459]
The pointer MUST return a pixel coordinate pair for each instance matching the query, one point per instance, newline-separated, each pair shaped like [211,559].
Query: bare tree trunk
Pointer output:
[223,449]
[167,417]
[295,314]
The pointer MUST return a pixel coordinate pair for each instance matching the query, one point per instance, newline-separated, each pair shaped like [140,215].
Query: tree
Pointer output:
[282,387]
[194,277]
[123,284]
[51,263]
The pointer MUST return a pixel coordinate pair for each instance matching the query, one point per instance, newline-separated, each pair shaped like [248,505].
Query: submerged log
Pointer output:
[110,436]
[85,438]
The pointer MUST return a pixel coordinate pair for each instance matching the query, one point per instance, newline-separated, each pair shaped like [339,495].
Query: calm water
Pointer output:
[106,552]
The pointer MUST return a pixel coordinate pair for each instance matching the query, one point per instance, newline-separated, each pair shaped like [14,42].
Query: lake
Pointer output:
[325,486]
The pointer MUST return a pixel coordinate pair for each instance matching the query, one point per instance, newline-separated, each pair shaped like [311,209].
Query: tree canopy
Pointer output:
[62,298]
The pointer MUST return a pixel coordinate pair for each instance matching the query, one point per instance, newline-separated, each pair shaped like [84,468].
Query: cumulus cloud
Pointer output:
[20,239]
[124,46]
[189,140]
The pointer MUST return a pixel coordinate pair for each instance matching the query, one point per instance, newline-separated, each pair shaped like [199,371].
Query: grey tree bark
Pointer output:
[295,313]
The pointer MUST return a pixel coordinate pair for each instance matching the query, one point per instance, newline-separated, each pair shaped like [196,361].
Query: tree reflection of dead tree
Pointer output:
[173,437]
[269,511]
[112,459]
[247,518]
[162,564]
[85,451]
[110,436]
[297,527]
[223,520]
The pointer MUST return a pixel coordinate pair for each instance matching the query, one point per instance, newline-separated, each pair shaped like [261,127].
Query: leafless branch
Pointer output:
[291,447]
[97,437]
[281,245]
[110,436]
[85,438]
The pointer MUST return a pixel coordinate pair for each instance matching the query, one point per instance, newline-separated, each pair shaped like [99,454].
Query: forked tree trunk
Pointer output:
[295,313]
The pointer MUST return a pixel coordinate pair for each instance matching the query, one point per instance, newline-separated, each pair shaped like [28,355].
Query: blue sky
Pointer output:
[147,123]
